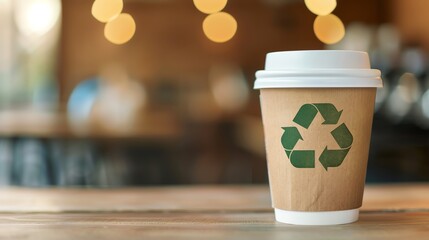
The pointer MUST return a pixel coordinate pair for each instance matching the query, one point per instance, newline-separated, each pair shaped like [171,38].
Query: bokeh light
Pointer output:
[106,10]
[329,29]
[321,7]
[37,17]
[229,87]
[210,6]
[425,104]
[220,27]
[403,97]
[381,96]
[121,29]
[80,104]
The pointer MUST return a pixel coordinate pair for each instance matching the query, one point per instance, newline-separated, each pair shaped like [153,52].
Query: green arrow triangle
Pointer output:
[332,158]
[342,136]
[329,112]
[302,158]
[290,137]
[305,115]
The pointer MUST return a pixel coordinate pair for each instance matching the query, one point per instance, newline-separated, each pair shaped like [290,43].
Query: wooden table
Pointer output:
[199,212]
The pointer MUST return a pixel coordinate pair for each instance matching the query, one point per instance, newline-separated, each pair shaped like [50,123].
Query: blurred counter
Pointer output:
[50,124]
[215,212]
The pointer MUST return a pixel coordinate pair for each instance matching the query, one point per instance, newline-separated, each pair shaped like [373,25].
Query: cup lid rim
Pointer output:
[318,68]
[320,78]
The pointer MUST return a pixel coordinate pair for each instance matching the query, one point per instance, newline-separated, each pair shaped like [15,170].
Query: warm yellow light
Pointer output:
[120,29]
[321,7]
[329,29]
[220,27]
[210,6]
[36,17]
[105,10]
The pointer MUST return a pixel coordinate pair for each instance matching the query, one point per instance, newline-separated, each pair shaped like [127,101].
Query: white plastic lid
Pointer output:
[317,218]
[318,69]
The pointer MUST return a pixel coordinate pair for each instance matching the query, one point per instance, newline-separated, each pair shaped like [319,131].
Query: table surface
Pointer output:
[195,212]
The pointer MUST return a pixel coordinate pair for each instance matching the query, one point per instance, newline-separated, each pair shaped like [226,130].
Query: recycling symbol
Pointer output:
[329,158]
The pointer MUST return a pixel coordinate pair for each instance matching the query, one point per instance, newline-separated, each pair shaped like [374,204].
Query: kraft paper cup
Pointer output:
[317,109]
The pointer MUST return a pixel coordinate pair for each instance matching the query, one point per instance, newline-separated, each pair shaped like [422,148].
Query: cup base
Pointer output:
[316,218]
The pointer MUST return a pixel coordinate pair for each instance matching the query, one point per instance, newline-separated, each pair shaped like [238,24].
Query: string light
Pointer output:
[105,10]
[329,29]
[321,7]
[220,27]
[210,6]
[121,29]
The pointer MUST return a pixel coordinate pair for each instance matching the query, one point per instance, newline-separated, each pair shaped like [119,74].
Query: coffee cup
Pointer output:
[317,111]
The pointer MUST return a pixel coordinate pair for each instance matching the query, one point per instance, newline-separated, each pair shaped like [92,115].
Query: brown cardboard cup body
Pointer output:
[317,189]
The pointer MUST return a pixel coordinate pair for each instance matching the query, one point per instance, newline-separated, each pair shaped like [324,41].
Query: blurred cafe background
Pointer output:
[160,91]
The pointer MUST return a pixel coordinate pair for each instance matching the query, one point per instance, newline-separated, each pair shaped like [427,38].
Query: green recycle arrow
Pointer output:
[334,158]
[308,112]
[329,157]
[290,137]
[298,158]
